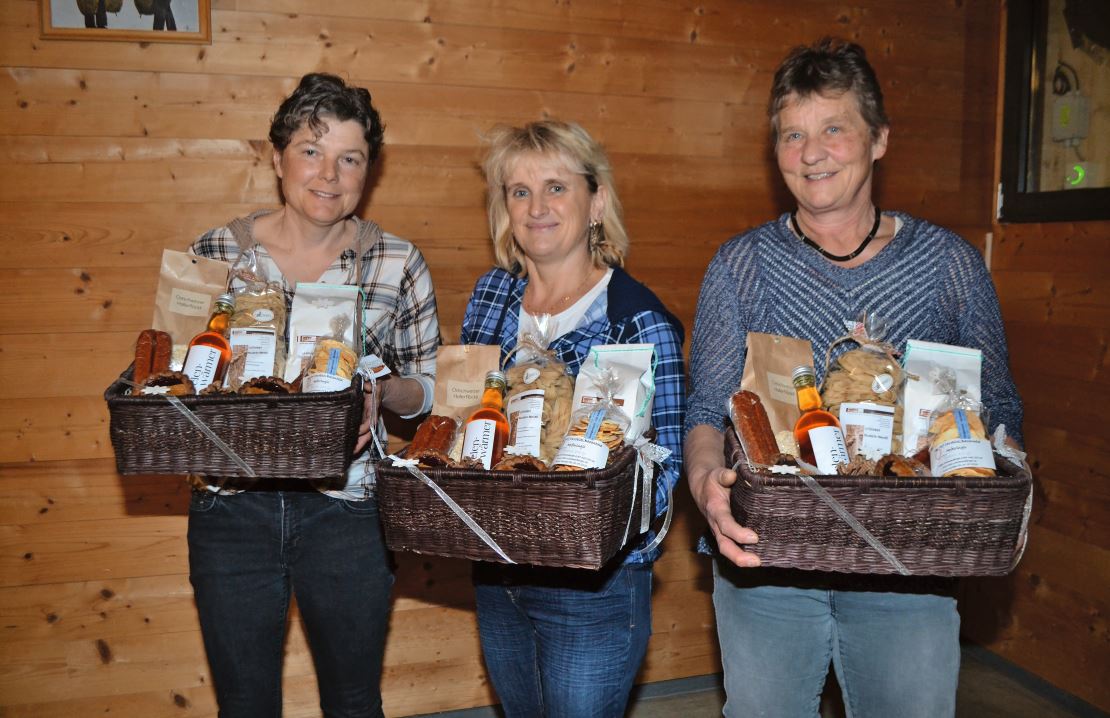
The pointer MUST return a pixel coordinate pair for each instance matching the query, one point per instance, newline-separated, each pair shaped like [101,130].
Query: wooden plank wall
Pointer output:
[1050,616]
[113,151]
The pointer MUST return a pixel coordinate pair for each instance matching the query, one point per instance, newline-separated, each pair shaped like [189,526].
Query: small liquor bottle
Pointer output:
[820,441]
[210,351]
[487,429]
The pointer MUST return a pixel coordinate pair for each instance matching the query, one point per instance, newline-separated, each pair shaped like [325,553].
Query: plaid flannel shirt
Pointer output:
[627,313]
[400,323]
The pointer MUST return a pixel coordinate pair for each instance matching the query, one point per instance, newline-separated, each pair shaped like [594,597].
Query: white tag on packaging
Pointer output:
[260,345]
[781,388]
[868,428]
[961,454]
[525,414]
[582,452]
[828,448]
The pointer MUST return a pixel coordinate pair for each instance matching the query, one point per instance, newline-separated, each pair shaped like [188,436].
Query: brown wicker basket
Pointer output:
[295,436]
[934,526]
[573,519]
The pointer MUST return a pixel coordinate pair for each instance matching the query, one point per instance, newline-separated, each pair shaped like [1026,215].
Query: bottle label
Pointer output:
[201,364]
[828,448]
[478,441]
[261,348]
[525,412]
[961,454]
[582,452]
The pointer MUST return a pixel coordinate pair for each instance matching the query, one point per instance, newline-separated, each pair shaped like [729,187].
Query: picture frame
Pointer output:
[1041,89]
[174,21]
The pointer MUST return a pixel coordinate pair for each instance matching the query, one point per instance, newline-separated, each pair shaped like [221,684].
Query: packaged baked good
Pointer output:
[539,394]
[595,431]
[431,445]
[927,365]
[257,331]
[958,442]
[320,311]
[862,388]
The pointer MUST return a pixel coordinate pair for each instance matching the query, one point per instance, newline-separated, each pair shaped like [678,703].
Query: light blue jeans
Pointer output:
[895,654]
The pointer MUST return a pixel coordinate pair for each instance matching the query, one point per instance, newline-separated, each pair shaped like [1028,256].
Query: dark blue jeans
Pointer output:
[248,554]
[563,643]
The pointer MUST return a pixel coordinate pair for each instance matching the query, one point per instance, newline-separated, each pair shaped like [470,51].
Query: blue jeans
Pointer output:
[563,643]
[895,653]
[248,554]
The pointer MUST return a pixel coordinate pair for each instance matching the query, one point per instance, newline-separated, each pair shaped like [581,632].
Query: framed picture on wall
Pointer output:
[1055,163]
[187,21]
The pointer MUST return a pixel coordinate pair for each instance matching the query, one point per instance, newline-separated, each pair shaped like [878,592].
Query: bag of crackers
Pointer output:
[596,430]
[862,388]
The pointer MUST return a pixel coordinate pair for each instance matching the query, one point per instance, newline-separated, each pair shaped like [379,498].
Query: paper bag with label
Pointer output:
[770,361]
[187,289]
[460,378]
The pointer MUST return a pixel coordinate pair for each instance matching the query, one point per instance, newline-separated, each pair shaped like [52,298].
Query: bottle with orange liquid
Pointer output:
[487,429]
[210,351]
[820,440]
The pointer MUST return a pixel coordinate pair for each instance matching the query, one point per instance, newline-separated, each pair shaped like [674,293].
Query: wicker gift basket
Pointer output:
[572,519]
[296,436]
[934,526]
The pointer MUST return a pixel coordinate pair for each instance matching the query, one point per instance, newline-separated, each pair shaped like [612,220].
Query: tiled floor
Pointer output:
[989,688]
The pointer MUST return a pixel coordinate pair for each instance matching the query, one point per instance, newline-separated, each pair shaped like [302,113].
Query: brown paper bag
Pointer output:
[767,370]
[460,377]
[187,288]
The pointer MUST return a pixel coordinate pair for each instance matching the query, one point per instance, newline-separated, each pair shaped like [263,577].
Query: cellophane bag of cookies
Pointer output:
[862,388]
[539,394]
[958,441]
[596,430]
[257,333]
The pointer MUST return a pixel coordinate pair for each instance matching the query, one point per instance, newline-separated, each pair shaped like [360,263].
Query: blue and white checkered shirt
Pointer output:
[626,313]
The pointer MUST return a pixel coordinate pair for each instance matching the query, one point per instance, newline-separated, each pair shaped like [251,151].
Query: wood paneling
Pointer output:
[1050,615]
[116,151]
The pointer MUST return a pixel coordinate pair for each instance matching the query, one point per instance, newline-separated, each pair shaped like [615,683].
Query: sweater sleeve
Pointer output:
[981,327]
[718,344]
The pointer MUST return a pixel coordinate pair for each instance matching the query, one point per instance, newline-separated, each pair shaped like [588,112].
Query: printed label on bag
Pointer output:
[781,388]
[190,304]
[525,411]
[828,448]
[582,452]
[868,428]
[464,393]
[260,345]
[961,454]
[313,383]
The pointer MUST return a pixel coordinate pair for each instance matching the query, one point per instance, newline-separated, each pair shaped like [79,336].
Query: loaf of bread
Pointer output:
[754,428]
[152,354]
[431,445]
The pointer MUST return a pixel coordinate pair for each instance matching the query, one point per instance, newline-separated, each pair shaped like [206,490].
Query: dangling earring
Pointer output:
[596,236]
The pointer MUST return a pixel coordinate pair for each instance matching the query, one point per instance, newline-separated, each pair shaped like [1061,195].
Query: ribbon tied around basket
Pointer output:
[1000,445]
[647,456]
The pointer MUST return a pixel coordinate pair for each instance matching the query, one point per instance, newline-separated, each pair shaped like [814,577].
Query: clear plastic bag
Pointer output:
[595,431]
[539,394]
[257,332]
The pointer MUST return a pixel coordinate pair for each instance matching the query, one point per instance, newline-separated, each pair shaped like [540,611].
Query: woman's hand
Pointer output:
[400,395]
[709,483]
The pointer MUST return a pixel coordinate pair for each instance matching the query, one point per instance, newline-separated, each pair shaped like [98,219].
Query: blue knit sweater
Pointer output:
[927,282]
